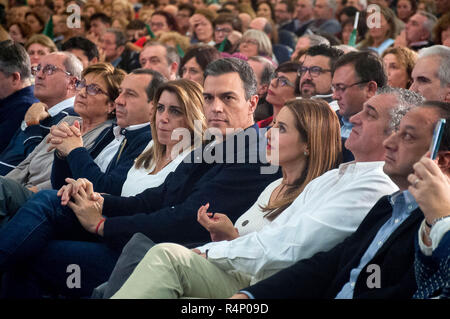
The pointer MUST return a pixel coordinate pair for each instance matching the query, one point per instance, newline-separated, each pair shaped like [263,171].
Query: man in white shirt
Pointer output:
[329,209]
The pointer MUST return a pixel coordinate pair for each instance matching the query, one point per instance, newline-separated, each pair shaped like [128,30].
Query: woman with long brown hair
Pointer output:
[306,145]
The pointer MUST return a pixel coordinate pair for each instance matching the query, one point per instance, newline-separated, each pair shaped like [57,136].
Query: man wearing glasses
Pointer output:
[356,78]
[314,77]
[55,78]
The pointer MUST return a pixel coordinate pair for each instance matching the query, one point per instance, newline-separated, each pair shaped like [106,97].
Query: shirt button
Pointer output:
[410,207]
[380,243]
[396,220]
[352,284]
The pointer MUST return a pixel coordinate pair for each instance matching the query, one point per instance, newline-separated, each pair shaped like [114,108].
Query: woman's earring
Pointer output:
[305,153]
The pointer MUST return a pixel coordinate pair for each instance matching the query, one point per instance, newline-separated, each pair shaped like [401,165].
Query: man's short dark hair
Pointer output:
[368,66]
[290,5]
[157,80]
[14,58]
[135,25]
[234,65]
[88,47]
[102,17]
[268,69]
[325,50]
[187,6]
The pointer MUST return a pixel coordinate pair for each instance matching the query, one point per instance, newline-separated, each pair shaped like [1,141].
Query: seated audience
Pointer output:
[298,233]
[117,152]
[298,124]
[164,213]
[95,106]
[377,261]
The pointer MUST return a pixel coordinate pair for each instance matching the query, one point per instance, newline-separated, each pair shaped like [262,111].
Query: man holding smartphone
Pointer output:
[377,261]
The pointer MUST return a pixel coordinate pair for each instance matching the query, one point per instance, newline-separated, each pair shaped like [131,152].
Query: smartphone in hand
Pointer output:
[436,140]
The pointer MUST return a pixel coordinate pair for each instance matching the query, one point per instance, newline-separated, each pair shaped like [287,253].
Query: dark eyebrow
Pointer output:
[371,108]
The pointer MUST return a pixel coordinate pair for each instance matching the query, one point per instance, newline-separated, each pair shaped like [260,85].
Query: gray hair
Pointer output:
[406,100]
[333,5]
[315,39]
[72,64]
[345,48]
[121,39]
[264,43]
[171,53]
[268,69]
[14,58]
[429,22]
[443,52]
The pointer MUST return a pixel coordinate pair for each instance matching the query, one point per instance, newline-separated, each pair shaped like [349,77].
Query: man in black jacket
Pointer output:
[218,173]
[377,260]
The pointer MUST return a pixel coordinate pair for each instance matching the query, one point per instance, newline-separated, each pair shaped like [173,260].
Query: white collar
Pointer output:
[117,129]
[55,109]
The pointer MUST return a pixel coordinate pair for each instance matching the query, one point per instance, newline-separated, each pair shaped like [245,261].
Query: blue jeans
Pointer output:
[40,242]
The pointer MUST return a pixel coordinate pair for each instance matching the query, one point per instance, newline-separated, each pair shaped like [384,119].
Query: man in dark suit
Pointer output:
[377,260]
[218,173]
[16,91]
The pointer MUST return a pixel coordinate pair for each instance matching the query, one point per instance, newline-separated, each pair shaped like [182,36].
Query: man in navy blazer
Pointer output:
[377,261]
[16,90]
[229,173]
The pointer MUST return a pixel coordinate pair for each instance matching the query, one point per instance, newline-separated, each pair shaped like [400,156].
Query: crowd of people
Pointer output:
[224,149]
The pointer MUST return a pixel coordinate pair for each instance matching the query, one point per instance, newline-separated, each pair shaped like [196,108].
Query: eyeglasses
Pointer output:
[340,88]
[284,81]
[155,25]
[249,41]
[224,30]
[91,89]
[314,71]
[49,69]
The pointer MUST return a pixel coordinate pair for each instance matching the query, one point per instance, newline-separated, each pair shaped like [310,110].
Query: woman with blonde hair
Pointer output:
[307,144]
[177,105]
[399,63]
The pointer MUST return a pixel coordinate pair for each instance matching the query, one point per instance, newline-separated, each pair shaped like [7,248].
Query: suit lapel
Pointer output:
[409,222]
